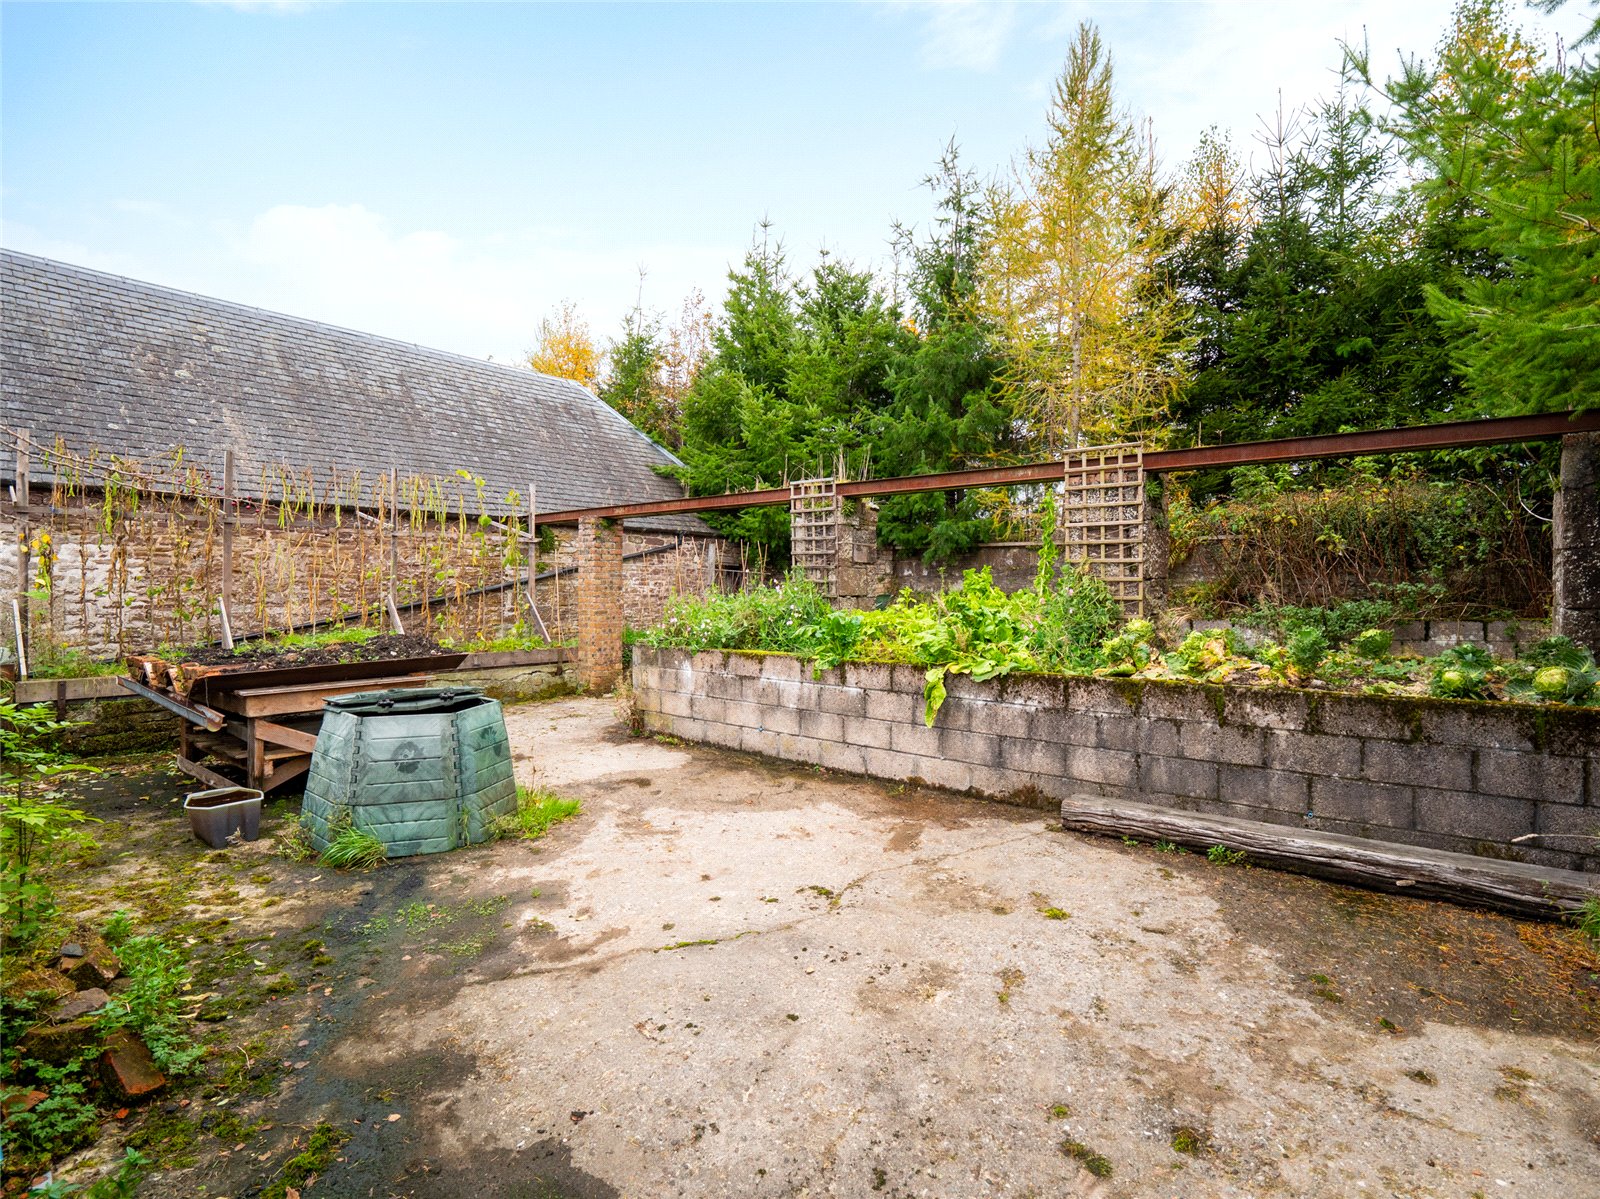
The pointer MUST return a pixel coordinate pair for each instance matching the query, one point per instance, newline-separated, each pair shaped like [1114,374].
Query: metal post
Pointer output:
[22,608]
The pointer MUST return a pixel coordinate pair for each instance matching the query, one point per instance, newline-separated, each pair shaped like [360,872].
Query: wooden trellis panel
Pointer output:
[814,530]
[1103,518]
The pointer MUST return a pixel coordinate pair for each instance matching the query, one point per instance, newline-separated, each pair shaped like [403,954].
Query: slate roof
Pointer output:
[136,369]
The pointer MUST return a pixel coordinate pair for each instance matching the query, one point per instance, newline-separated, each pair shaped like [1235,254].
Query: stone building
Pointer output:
[97,366]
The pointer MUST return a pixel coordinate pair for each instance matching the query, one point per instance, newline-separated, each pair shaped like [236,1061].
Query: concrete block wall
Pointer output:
[1452,775]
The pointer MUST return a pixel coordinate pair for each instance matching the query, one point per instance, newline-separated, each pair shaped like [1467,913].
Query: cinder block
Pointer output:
[824,726]
[962,746]
[799,749]
[963,714]
[747,714]
[1025,755]
[779,693]
[706,707]
[1365,803]
[1283,791]
[1181,701]
[722,685]
[1265,708]
[947,773]
[867,732]
[1142,734]
[744,665]
[1529,776]
[715,732]
[836,755]
[1240,746]
[846,701]
[1003,720]
[1312,753]
[1478,725]
[1363,716]
[784,669]
[896,706]
[674,703]
[1108,697]
[1476,817]
[1108,766]
[1447,767]
[887,764]
[870,676]
[1455,632]
[909,680]
[1578,829]
[1177,776]
[687,728]
[1033,691]
[759,741]
[914,739]
[779,720]
[1062,727]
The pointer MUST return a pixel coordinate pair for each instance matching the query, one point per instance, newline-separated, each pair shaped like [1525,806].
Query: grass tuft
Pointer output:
[354,849]
[538,811]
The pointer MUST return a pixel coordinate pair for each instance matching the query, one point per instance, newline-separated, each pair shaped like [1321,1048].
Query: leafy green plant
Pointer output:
[1555,671]
[1461,672]
[60,1122]
[149,1002]
[538,810]
[117,928]
[1221,855]
[35,826]
[1372,643]
[1129,650]
[1306,648]
[352,848]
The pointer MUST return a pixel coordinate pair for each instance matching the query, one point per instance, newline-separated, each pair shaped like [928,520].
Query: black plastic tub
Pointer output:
[216,815]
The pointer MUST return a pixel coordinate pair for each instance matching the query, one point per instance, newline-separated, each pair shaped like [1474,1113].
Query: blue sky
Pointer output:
[448,173]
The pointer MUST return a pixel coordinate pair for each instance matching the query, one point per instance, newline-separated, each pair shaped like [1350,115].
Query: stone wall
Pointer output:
[123,724]
[1453,775]
[154,578]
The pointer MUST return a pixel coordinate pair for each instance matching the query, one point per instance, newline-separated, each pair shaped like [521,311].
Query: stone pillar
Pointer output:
[599,553]
[1157,548]
[1576,605]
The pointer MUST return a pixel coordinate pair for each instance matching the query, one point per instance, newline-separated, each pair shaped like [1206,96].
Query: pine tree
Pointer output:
[1509,138]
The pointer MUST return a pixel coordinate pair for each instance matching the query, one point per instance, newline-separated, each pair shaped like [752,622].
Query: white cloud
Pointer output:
[966,35]
[348,265]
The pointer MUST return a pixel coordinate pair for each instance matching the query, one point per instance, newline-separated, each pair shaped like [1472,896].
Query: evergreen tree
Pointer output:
[1072,279]
[945,413]
[1510,142]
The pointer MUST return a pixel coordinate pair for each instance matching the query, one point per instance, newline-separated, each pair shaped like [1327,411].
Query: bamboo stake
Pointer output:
[394,548]
[226,598]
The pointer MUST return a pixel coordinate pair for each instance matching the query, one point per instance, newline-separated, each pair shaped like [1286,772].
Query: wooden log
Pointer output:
[1516,887]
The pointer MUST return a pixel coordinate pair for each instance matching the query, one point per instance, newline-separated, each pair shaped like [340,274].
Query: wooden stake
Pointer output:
[533,562]
[22,608]
[225,599]
[394,549]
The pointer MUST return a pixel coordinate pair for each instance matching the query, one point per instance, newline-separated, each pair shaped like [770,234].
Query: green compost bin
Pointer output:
[423,770]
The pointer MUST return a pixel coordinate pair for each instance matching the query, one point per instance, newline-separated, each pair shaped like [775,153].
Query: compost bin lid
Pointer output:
[408,701]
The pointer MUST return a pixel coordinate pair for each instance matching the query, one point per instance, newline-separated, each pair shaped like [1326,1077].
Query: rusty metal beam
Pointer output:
[1456,434]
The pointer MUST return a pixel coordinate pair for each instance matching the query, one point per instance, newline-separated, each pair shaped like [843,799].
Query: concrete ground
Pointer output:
[731,977]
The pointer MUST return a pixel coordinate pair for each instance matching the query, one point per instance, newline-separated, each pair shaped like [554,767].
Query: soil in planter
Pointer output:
[383,646]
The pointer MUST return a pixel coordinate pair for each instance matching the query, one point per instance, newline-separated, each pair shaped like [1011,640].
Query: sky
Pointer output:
[448,174]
